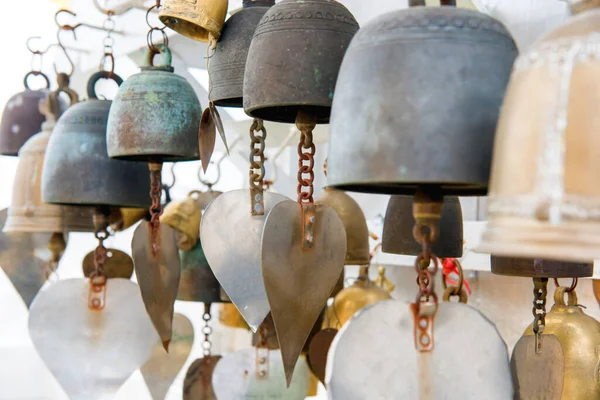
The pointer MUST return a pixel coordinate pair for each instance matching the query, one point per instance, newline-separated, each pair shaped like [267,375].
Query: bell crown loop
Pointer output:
[559,297]
[35,73]
[91,85]
[152,52]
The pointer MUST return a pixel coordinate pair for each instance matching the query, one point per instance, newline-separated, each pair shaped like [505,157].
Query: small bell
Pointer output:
[156,114]
[197,281]
[198,19]
[226,67]
[296,51]
[417,100]
[398,236]
[544,200]
[357,232]
[579,335]
[184,216]
[77,170]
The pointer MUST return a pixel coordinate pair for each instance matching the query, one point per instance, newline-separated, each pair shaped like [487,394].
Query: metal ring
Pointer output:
[570,288]
[91,85]
[36,73]
[207,182]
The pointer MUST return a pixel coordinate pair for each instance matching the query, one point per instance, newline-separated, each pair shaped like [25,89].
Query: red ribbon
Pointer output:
[450,267]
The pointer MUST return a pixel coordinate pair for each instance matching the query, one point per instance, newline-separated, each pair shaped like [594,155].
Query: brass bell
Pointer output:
[21,118]
[361,293]
[77,171]
[28,213]
[198,19]
[543,200]
[197,282]
[124,218]
[579,335]
[230,316]
[184,216]
[155,115]
[226,66]
[357,232]
[538,268]
[398,236]
[417,100]
[294,59]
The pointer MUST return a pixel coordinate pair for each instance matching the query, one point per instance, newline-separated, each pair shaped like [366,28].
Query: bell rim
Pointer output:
[585,270]
[409,188]
[271,109]
[196,32]
[148,156]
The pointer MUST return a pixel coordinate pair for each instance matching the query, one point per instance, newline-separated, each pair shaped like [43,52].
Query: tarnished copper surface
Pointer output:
[538,375]
[296,53]
[198,19]
[118,264]
[298,282]
[538,268]
[317,352]
[184,216]
[198,379]
[197,282]
[158,278]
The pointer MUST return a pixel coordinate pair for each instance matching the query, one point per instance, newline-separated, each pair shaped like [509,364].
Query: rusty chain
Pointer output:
[257,166]
[155,209]
[150,34]
[540,291]
[109,26]
[207,331]
[262,353]
[101,233]
[425,236]
[306,163]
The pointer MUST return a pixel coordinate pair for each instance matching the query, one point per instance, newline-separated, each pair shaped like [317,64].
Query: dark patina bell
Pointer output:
[155,115]
[226,66]
[197,282]
[77,169]
[294,59]
[398,236]
[538,268]
[21,118]
[417,101]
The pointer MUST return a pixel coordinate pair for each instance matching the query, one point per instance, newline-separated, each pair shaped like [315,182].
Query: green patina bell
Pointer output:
[197,282]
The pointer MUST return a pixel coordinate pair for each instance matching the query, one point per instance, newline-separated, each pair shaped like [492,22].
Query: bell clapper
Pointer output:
[262,354]
[306,151]
[97,294]
[540,290]
[257,167]
[156,206]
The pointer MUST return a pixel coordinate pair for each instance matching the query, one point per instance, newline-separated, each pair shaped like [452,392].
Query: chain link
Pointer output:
[207,331]
[306,163]
[108,42]
[540,291]
[101,233]
[257,154]
[155,209]
[150,35]
[425,276]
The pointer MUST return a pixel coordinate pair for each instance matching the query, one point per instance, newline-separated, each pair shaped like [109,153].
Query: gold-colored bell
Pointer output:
[579,335]
[197,19]
[184,216]
[231,317]
[544,198]
[123,218]
[360,294]
[357,232]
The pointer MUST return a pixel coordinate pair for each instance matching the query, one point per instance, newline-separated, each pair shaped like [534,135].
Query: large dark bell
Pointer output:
[227,65]
[21,120]
[537,268]
[77,170]
[398,228]
[294,59]
[197,282]
[417,101]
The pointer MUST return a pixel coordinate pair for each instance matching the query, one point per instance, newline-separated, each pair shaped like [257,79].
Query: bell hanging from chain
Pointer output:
[398,237]
[543,200]
[184,216]
[296,51]
[197,281]
[77,171]
[199,19]
[579,336]
[227,65]
[390,134]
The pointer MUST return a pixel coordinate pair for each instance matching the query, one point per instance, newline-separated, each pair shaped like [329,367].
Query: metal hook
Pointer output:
[67,27]
[173,177]
[64,50]
[28,44]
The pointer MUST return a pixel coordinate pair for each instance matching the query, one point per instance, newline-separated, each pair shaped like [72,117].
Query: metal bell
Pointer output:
[226,66]
[197,19]
[537,268]
[357,232]
[544,201]
[28,213]
[417,100]
[579,335]
[398,236]
[77,170]
[294,59]
[184,216]
[197,282]
[155,115]
[231,317]
[21,118]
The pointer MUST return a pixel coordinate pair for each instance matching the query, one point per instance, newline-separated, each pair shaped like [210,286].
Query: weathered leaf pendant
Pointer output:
[198,379]
[160,370]
[374,356]
[206,138]
[318,349]
[235,378]
[298,281]
[231,238]
[158,278]
[91,353]
[538,375]
[118,264]
[219,124]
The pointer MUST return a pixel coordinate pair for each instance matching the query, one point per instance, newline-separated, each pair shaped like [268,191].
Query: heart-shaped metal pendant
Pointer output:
[298,281]
[538,375]
[235,378]
[160,370]
[206,138]
[318,348]
[91,352]
[374,356]
[158,278]
[231,237]
[198,379]
[118,264]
